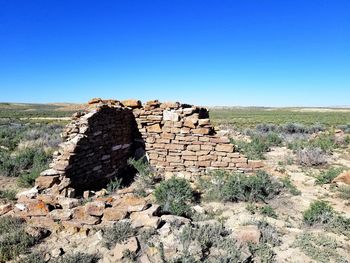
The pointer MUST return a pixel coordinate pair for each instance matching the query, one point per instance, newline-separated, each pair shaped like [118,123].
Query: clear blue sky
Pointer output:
[247,52]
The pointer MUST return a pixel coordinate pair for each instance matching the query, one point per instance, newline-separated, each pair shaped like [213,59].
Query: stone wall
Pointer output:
[97,146]
[176,138]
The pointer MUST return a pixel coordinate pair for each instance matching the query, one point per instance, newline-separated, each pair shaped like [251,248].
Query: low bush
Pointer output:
[326,177]
[174,196]
[320,212]
[114,185]
[145,177]
[311,156]
[209,237]
[9,195]
[78,258]
[320,247]
[34,257]
[13,238]
[287,183]
[344,192]
[268,211]
[263,252]
[224,186]
[117,234]
[24,161]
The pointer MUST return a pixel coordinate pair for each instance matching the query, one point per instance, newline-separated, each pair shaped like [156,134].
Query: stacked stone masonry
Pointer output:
[176,138]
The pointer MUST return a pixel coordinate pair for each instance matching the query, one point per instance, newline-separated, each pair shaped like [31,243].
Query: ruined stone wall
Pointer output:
[176,138]
[97,146]
[180,138]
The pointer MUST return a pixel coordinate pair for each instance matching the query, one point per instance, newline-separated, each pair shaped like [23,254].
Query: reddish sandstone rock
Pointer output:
[154,128]
[131,244]
[95,208]
[80,214]
[37,208]
[44,182]
[114,214]
[343,178]
[203,131]
[60,214]
[224,148]
[132,103]
[94,101]
[5,209]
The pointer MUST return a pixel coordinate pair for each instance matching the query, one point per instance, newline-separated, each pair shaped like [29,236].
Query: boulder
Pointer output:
[114,214]
[343,178]
[132,103]
[44,182]
[5,209]
[131,244]
[247,234]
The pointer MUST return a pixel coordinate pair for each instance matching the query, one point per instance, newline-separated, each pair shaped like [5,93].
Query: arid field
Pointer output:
[288,200]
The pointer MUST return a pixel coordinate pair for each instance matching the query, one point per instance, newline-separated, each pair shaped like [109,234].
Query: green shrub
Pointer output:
[263,252]
[174,196]
[78,258]
[326,177]
[254,150]
[208,237]
[33,258]
[224,186]
[145,177]
[268,211]
[320,212]
[117,234]
[344,192]
[320,247]
[269,233]
[9,195]
[287,183]
[13,239]
[23,162]
[114,185]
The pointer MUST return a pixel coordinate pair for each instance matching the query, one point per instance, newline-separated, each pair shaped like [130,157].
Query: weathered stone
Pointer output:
[44,182]
[49,172]
[203,131]
[202,122]
[37,208]
[146,218]
[114,214]
[94,101]
[95,208]
[131,244]
[5,209]
[61,214]
[132,103]
[154,128]
[170,116]
[80,214]
[224,148]
[68,203]
[343,178]
[131,203]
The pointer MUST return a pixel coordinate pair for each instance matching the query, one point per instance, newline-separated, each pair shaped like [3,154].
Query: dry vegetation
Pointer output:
[290,212]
